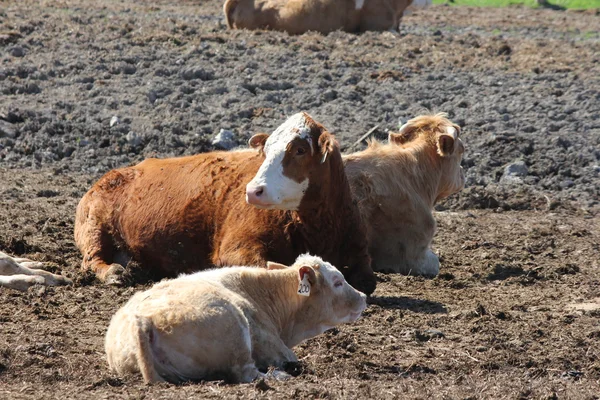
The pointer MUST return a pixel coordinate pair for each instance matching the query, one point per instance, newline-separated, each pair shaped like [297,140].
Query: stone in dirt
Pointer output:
[224,140]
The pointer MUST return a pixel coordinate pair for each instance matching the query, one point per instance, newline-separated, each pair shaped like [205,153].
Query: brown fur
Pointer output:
[187,214]
[396,186]
[299,16]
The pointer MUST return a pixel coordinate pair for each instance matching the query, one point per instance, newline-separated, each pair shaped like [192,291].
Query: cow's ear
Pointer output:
[257,141]
[445,145]
[308,273]
[275,265]
[406,133]
[327,145]
[446,140]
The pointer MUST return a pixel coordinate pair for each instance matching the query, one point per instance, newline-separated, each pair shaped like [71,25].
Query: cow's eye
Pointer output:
[338,284]
[300,151]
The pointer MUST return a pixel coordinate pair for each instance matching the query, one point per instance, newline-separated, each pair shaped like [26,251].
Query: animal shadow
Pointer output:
[408,303]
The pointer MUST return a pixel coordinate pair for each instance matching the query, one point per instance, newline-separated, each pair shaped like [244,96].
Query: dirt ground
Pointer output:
[515,312]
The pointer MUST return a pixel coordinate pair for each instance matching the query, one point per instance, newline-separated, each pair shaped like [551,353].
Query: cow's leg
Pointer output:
[270,351]
[234,250]
[97,247]
[27,263]
[19,276]
[21,282]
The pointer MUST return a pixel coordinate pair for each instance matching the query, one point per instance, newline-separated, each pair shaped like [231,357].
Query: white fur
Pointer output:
[452,132]
[279,191]
[217,321]
[21,273]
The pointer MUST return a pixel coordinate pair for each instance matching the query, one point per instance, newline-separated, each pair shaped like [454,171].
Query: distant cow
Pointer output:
[187,214]
[299,16]
[228,323]
[396,186]
[21,273]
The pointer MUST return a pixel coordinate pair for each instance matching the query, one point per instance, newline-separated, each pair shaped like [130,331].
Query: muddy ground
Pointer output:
[516,310]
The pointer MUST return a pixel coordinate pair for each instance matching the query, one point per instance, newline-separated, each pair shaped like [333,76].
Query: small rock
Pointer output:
[7,130]
[128,69]
[133,139]
[513,173]
[567,183]
[224,140]
[152,96]
[17,51]
[114,121]
[196,73]
[330,95]
[518,168]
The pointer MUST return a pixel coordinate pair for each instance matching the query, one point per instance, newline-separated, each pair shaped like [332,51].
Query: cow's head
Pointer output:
[296,155]
[330,300]
[439,138]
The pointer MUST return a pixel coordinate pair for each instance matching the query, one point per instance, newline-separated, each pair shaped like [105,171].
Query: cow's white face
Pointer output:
[336,301]
[283,177]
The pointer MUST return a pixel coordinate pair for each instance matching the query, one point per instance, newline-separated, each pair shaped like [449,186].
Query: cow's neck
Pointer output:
[427,180]
[331,211]
[276,297]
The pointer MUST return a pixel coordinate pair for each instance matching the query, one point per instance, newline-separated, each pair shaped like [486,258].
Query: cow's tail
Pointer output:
[228,9]
[145,358]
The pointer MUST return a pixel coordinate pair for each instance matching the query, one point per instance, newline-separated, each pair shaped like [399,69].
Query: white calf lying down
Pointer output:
[228,323]
[396,186]
[21,273]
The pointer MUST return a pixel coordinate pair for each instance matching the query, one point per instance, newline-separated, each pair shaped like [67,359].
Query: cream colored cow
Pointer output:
[396,186]
[299,16]
[228,323]
[21,273]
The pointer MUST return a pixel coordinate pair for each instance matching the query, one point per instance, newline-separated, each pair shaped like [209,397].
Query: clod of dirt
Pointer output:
[297,368]
[429,334]
[567,269]
[262,385]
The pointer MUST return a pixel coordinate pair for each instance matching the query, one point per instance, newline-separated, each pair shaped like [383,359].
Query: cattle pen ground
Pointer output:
[515,313]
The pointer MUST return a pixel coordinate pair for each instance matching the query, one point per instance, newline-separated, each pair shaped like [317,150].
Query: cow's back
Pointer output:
[164,213]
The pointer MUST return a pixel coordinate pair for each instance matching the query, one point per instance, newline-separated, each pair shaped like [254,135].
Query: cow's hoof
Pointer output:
[114,275]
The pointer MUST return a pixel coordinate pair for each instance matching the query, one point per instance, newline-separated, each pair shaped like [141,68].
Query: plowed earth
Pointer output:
[515,312]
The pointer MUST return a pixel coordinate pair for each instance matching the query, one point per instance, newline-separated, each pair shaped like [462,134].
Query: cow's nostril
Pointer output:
[259,192]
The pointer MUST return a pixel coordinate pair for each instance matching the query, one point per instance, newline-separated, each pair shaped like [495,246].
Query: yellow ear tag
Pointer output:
[304,286]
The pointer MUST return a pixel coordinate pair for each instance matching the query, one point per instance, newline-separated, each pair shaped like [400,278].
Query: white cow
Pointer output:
[228,323]
[21,273]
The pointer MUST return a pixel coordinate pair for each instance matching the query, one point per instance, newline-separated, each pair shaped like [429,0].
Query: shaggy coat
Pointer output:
[181,215]
[396,186]
[299,16]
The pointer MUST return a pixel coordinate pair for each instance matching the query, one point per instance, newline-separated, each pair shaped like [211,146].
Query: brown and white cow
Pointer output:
[396,186]
[21,273]
[228,323]
[299,16]
[187,214]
